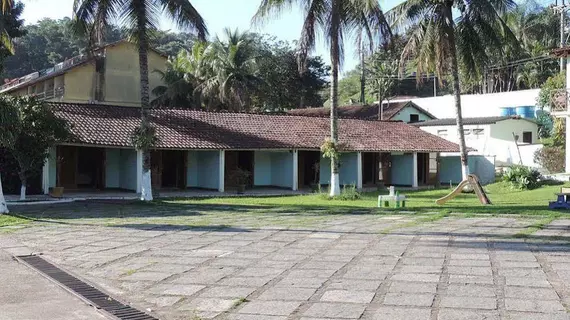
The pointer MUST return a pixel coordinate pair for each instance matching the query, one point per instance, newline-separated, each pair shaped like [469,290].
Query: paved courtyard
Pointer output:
[230,262]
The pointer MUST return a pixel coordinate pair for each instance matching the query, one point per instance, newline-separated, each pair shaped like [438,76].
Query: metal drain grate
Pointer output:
[87,292]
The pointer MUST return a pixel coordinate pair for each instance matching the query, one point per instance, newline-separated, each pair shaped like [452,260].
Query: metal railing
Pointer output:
[59,91]
[559,100]
[58,67]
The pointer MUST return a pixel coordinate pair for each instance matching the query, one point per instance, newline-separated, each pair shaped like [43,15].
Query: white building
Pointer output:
[474,105]
[508,139]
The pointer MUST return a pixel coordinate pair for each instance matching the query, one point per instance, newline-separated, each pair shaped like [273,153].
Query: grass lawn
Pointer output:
[505,201]
[8,220]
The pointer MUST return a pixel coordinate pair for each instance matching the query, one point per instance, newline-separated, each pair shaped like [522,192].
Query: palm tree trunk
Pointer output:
[335,62]
[3,206]
[146,184]
[362,76]
[457,97]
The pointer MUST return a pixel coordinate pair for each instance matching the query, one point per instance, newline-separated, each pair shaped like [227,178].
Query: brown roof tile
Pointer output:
[367,112]
[190,129]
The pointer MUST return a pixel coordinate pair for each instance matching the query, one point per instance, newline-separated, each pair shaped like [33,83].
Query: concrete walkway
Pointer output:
[27,295]
[227,262]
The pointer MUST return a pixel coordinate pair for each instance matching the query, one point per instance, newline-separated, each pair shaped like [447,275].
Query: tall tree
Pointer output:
[141,18]
[35,129]
[234,70]
[383,70]
[338,19]
[8,130]
[451,34]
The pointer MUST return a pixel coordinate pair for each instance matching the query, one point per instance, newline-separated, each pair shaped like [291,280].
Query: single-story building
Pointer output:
[198,149]
[510,139]
[405,111]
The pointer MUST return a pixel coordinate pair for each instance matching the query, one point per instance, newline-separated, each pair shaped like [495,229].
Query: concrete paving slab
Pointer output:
[27,295]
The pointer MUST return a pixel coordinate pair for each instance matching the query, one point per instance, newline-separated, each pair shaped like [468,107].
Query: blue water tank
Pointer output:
[507,111]
[525,112]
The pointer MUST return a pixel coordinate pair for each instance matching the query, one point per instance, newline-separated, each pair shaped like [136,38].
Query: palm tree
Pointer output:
[338,19]
[233,69]
[447,33]
[179,83]
[5,39]
[141,18]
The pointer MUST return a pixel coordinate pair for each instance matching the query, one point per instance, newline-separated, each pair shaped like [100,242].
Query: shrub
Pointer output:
[521,177]
[348,193]
[551,158]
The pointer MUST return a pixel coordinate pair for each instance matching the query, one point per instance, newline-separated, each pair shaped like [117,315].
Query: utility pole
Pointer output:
[434,85]
[562,38]
[561,8]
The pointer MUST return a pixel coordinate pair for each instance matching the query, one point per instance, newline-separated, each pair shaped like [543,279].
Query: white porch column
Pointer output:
[415,171]
[45,176]
[295,170]
[359,170]
[139,170]
[221,170]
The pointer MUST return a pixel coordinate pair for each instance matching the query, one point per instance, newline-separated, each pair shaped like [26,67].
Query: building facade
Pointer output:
[198,149]
[507,138]
[110,76]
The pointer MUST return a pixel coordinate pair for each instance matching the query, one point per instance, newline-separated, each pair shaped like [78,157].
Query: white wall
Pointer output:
[481,143]
[477,105]
[502,141]
[496,140]
[527,154]
[404,114]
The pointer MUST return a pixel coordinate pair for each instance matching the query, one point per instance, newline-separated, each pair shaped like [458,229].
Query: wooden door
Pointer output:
[67,167]
[301,169]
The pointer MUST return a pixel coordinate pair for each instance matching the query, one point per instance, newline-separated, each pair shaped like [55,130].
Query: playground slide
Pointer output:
[453,193]
[479,190]
[475,184]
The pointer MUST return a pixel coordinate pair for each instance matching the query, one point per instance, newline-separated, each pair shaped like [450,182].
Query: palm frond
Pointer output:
[315,10]
[183,13]
[271,8]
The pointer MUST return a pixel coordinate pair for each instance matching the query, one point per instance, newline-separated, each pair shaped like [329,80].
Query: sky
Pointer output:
[219,14]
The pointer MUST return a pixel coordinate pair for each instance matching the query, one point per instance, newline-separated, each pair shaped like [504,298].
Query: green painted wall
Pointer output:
[402,169]
[52,167]
[192,170]
[209,169]
[262,168]
[128,169]
[348,171]
[112,168]
[282,169]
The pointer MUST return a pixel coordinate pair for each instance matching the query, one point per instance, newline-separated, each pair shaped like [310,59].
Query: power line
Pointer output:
[519,62]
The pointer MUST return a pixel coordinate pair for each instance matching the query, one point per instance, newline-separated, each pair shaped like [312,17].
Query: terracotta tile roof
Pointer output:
[190,129]
[367,112]
[468,121]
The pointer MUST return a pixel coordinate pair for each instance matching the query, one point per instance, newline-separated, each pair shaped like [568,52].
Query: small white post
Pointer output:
[221,170]
[139,170]
[359,170]
[415,170]
[295,170]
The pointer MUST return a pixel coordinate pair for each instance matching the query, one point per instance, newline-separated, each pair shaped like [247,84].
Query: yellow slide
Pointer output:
[475,184]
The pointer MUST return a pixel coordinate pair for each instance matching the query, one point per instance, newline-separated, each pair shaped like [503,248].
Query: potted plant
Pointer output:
[240,178]
[56,192]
